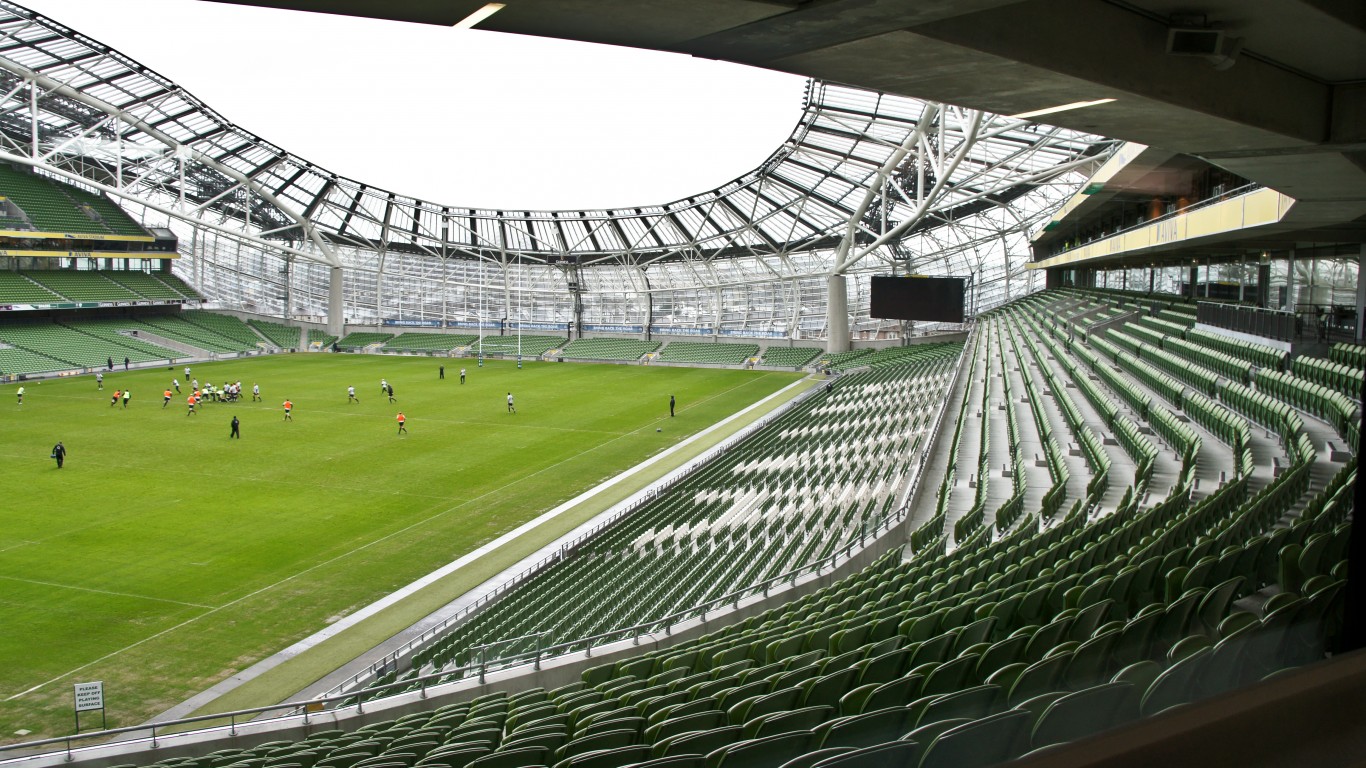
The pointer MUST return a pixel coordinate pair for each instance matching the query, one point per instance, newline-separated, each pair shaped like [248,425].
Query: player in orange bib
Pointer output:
[401,421]
[288,407]
[189,401]
[165,398]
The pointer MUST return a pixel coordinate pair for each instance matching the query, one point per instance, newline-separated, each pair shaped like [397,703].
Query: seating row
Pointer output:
[1046,633]
[609,349]
[704,352]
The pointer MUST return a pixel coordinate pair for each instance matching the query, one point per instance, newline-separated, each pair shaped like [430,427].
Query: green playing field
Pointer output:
[166,556]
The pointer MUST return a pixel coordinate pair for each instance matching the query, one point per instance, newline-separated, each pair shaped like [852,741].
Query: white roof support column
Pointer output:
[876,184]
[837,315]
[336,317]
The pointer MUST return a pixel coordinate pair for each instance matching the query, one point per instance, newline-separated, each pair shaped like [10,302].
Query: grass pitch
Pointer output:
[165,557]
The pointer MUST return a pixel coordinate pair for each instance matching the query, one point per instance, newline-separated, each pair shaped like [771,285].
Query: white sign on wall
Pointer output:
[89,696]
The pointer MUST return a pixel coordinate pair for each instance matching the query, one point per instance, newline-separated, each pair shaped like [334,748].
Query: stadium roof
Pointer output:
[1280,102]
[106,119]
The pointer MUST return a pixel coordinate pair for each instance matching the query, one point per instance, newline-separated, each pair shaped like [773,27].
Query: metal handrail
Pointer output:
[664,623]
[1198,204]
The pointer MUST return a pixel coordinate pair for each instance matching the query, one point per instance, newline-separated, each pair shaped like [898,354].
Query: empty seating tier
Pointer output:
[1028,633]
[52,206]
[1349,354]
[876,358]
[526,345]
[14,360]
[842,359]
[18,289]
[179,286]
[147,285]
[705,352]
[806,484]
[119,332]
[362,339]
[279,334]
[199,334]
[324,338]
[609,349]
[789,357]
[1339,377]
[429,342]
[227,326]
[76,285]
[72,347]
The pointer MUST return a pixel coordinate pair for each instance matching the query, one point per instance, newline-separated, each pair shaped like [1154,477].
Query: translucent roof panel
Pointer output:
[114,123]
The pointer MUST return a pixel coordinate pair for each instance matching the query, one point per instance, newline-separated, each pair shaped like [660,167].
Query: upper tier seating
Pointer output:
[76,285]
[148,285]
[703,352]
[56,207]
[18,289]
[179,286]
[57,285]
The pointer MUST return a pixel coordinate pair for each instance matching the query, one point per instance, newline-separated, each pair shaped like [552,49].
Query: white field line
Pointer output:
[104,592]
[341,556]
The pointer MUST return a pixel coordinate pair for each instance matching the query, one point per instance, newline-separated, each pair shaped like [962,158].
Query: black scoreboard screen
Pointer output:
[934,299]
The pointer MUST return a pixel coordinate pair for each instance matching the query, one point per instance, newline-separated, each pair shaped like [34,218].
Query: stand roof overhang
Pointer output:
[127,127]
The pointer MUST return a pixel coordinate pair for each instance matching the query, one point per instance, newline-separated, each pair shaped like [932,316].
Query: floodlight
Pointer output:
[483,13]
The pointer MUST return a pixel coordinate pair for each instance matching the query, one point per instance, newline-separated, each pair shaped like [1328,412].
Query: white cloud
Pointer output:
[464,118]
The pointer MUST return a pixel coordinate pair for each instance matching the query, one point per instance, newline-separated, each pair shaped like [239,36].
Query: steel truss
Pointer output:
[867,183]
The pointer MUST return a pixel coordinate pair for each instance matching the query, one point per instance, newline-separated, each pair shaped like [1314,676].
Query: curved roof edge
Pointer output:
[127,127]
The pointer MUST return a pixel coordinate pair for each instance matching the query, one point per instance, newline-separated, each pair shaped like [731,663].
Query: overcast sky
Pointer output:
[465,118]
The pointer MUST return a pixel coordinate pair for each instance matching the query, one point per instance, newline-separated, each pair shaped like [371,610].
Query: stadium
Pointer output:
[1018,404]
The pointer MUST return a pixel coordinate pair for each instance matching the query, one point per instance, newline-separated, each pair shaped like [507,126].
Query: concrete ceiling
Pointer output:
[1289,113]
